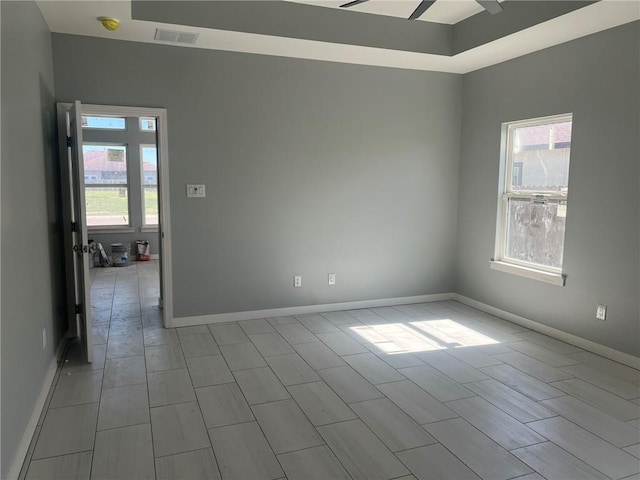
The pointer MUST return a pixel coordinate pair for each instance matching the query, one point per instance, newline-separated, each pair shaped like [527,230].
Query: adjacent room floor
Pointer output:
[428,391]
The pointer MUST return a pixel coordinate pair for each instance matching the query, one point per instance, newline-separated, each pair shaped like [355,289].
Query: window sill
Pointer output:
[103,230]
[153,229]
[540,275]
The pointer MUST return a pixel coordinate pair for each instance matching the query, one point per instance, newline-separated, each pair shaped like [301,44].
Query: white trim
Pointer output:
[108,230]
[532,273]
[302,310]
[155,256]
[599,349]
[23,446]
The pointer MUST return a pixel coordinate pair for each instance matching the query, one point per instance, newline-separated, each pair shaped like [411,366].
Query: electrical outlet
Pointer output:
[601,312]
[195,191]
[297,281]
[44,338]
[332,279]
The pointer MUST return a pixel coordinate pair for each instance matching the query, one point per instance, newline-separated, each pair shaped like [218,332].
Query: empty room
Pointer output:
[317,239]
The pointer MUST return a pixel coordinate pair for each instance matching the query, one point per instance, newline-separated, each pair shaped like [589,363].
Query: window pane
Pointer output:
[107,206]
[535,231]
[108,123]
[147,124]
[104,165]
[149,166]
[150,205]
[541,157]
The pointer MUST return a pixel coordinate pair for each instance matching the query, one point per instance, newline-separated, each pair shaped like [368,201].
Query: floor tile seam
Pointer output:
[57,456]
[592,385]
[582,428]
[585,428]
[256,422]
[575,377]
[500,409]
[509,454]
[546,440]
[438,442]
[529,357]
[122,386]
[335,454]
[153,445]
[188,451]
[576,362]
[518,387]
[434,421]
[507,413]
[369,428]
[567,453]
[441,373]
[182,451]
[308,420]
[124,426]
[219,469]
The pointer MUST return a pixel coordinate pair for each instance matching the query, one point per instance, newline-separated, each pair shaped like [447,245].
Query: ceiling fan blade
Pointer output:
[351,4]
[424,5]
[491,6]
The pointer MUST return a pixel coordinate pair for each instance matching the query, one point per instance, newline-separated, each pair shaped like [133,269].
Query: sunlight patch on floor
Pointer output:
[421,336]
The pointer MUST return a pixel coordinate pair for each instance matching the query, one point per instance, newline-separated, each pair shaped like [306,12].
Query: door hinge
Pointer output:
[74,227]
[69,142]
[78,309]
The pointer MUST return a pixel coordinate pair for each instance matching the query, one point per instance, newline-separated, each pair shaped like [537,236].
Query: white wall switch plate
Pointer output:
[297,281]
[332,279]
[195,191]
[601,312]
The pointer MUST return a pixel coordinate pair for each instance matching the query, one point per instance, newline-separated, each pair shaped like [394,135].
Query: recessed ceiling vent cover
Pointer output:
[174,36]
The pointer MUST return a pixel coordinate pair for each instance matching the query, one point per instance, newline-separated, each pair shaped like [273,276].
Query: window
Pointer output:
[105,123]
[147,124]
[106,185]
[149,155]
[533,202]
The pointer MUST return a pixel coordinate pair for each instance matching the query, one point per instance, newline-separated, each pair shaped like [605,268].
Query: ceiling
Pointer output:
[455,36]
[443,11]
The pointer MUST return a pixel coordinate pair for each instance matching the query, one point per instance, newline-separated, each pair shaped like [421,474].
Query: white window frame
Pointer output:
[105,129]
[145,226]
[500,261]
[112,228]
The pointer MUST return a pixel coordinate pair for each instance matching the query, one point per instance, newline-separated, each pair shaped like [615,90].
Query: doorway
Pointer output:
[115,178]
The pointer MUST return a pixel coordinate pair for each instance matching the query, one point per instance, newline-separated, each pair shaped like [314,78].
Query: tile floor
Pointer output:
[428,391]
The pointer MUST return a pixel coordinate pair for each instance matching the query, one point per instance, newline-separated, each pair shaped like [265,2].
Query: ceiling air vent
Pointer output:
[174,36]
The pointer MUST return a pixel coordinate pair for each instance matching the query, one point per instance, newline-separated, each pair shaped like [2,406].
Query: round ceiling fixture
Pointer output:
[110,23]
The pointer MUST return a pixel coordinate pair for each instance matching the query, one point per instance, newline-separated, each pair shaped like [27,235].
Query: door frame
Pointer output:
[164,231]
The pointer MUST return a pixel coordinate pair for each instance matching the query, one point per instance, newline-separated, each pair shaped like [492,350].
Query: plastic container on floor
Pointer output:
[120,254]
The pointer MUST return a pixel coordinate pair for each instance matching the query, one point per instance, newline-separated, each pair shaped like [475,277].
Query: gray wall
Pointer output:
[32,269]
[310,167]
[597,79]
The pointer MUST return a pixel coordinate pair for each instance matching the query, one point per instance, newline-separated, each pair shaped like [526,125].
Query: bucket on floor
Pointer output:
[144,251]
[120,254]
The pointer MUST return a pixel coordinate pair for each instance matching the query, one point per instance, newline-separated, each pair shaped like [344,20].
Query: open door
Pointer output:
[79,251]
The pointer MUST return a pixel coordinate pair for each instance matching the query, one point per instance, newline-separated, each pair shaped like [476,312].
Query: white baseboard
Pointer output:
[23,447]
[306,309]
[594,347]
